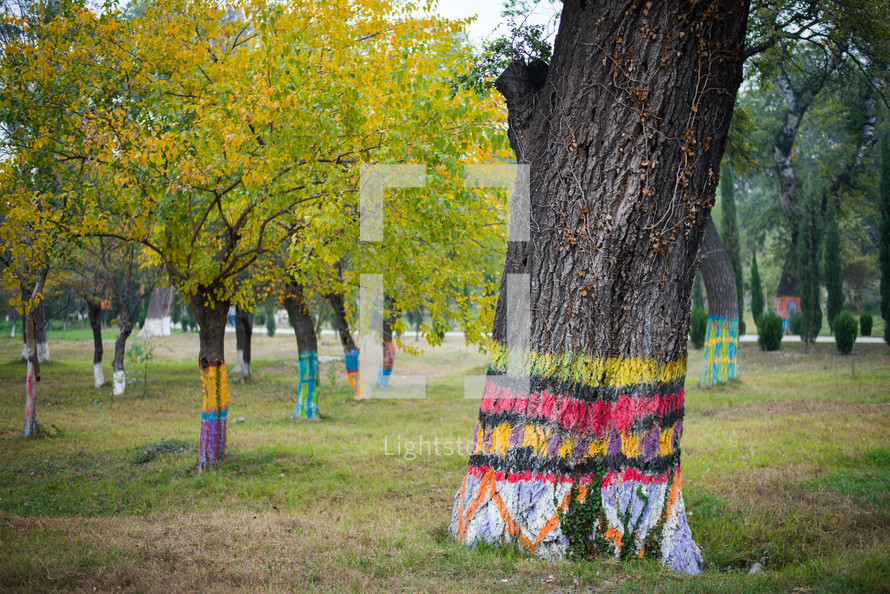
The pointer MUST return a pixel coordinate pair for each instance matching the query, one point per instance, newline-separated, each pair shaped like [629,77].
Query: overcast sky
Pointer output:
[488,14]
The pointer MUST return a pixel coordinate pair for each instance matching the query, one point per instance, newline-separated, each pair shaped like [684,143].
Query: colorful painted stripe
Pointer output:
[538,448]
[359,390]
[785,307]
[389,357]
[636,514]
[214,413]
[587,416]
[721,351]
[552,478]
[307,391]
[578,423]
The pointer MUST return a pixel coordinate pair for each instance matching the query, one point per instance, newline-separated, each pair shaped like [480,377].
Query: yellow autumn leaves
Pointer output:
[229,140]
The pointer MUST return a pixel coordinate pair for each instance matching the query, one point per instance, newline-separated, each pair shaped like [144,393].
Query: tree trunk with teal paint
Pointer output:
[307,351]
[722,337]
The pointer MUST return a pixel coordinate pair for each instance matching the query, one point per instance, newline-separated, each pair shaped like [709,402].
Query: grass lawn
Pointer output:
[789,468]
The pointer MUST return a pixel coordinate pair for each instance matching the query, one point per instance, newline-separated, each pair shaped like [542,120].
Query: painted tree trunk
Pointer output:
[389,349]
[243,336]
[787,305]
[31,428]
[307,350]
[722,338]
[40,340]
[623,134]
[212,314]
[94,310]
[125,325]
[157,317]
[350,350]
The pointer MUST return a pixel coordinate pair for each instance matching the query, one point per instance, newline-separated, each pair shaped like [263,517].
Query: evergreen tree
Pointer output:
[698,292]
[833,281]
[756,290]
[884,207]
[730,234]
[809,248]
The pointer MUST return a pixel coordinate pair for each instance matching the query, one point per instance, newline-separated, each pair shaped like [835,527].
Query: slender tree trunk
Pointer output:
[350,350]
[722,339]
[307,350]
[31,428]
[94,309]
[243,337]
[623,134]
[125,324]
[389,349]
[212,315]
[157,317]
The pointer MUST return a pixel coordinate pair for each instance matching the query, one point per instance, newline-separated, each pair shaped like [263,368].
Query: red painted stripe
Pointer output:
[629,474]
[573,415]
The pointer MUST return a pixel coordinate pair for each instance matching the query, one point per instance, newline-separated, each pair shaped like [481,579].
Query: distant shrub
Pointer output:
[769,332]
[698,327]
[845,332]
[865,324]
[796,323]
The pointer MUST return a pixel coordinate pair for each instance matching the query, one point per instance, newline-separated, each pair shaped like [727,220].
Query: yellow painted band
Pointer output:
[215,388]
[589,370]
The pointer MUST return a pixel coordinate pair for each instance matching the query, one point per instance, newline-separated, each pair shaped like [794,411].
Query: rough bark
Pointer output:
[623,137]
[350,350]
[243,336]
[722,338]
[343,331]
[212,315]
[94,310]
[40,340]
[307,350]
[157,316]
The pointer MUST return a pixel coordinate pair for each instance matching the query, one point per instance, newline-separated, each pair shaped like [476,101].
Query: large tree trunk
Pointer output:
[722,339]
[350,350]
[389,349]
[94,309]
[243,336]
[42,344]
[157,317]
[212,315]
[624,135]
[307,350]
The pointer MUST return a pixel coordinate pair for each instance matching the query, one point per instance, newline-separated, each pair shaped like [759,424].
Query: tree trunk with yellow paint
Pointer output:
[623,134]
[211,315]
